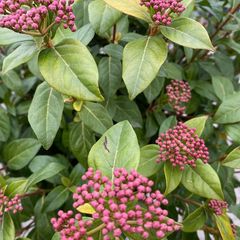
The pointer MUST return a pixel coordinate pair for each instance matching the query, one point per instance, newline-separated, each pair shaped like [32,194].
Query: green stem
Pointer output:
[95,230]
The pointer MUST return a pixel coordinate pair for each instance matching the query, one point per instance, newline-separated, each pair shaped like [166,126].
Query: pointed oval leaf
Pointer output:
[19,153]
[102,16]
[7,229]
[173,177]
[4,125]
[86,208]
[203,181]
[73,70]
[233,159]
[142,60]
[45,114]
[96,117]
[148,160]
[198,123]
[117,148]
[131,7]
[188,33]
[195,220]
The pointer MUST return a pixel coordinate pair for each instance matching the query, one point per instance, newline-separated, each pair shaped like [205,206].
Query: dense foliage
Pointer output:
[119,119]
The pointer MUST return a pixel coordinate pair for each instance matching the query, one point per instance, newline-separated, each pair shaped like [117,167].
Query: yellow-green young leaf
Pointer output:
[102,16]
[224,226]
[202,180]
[70,69]
[117,148]
[45,114]
[86,208]
[148,157]
[173,176]
[142,60]
[233,159]
[131,7]
[229,110]
[195,220]
[188,33]
[7,229]
[198,123]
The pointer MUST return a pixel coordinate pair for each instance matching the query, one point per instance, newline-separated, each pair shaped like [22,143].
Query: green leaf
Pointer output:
[142,60]
[127,110]
[203,181]
[81,139]
[188,33]
[117,148]
[110,72]
[224,226]
[198,123]
[55,199]
[96,117]
[102,16]
[19,153]
[85,34]
[148,157]
[173,177]
[4,125]
[7,229]
[45,114]
[229,110]
[233,131]
[73,70]
[8,37]
[195,220]
[168,123]
[15,186]
[233,159]
[131,7]
[20,55]
[56,236]
[222,86]
[46,172]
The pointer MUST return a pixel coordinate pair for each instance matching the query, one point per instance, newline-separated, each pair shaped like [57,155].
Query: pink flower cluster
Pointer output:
[30,15]
[126,204]
[161,10]
[181,146]
[9,205]
[218,206]
[179,93]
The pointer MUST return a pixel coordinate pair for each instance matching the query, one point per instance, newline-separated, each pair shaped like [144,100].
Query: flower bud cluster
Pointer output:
[125,204]
[9,205]
[181,146]
[30,15]
[179,93]
[218,206]
[161,10]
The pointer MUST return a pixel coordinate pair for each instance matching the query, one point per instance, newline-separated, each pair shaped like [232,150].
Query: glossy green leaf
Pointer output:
[19,153]
[198,123]
[20,55]
[110,72]
[203,181]
[4,125]
[73,70]
[233,159]
[102,16]
[96,117]
[224,226]
[142,60]
[16,186]
[48,171]
[195,220]
[85,34]
[233,131]
[55,199]
[131,7]
[7,229]
[173,176]
[45,114]
[222,86]
[117,148]
[229,110]
[188,33]
[148,157]
[168,123]
[56,236]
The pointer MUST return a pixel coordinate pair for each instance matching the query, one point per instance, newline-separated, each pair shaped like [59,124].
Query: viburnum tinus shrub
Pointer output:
[119,119]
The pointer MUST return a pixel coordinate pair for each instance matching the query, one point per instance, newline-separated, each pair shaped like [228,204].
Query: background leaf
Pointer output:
[233,159]
[198,123]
